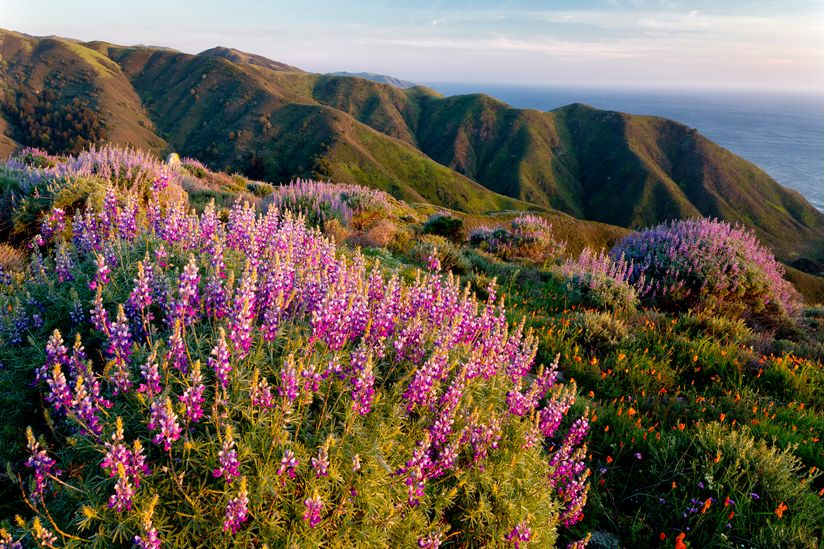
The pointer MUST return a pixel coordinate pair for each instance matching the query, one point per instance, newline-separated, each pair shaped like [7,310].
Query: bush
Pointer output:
[597,281]
[528,237]
[600,332]
[241,383]
[449,255]
[706,264]
[444,224]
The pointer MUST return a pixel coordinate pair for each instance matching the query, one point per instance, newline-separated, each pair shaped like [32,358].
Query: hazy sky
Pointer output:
[703,43]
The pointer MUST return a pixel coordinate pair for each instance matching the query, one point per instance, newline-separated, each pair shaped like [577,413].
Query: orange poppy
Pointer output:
[680,544]
[706,505]
[781,509]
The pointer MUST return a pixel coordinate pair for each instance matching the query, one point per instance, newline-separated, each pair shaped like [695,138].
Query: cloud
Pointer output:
[503,45]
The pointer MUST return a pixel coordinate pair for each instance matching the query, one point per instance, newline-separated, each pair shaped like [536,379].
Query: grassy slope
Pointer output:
[81,70]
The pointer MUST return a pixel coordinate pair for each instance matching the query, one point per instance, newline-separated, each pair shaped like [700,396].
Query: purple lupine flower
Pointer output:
[141,297]
[580,544]
[63,264]
[219,361]
[127,227]
[56,354]
[42,465]
[120,350]
[216,299]
[100,316]
[289,380]
[431,541]
[84,405]
[116,453]
[237,510]
[433,263]
[313,507]
[149,540]
[177,355]
[103,271]
[227,459]
[164,420]
[362,380]
[60,396]
[150,376]
[288,464]
[240,320]
[192,397]
[321,463]
[137,467]
[187,306]
[420,390]
[121,500]
[260,393]
[109,213]
[520,533]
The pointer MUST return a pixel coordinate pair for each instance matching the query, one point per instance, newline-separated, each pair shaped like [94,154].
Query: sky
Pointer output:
[747,44]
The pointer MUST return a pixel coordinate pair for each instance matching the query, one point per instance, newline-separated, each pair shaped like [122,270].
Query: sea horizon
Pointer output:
[780,131]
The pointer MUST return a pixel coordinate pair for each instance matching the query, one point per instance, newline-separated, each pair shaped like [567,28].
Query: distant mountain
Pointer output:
[380,78]
[242,112]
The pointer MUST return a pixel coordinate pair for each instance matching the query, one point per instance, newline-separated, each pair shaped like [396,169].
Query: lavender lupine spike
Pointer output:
[260,393]
[321,463]
[116,452]
[289,380]
[164,420]
[219,360]
[7,541]
[192,398]
[187,306]
[141,297]
[100,316]
[85,407]
[227,458]
[102,274]
[127,220]
[520,534]
[431,541]
[288,464]
[43,536]
[313,507]
[237,510]
[121,500]
[63,264]
[177,355]
[42,465]
[59,396]
[240,322]
[120,351]
[363,381]
[56,354]
[150,376]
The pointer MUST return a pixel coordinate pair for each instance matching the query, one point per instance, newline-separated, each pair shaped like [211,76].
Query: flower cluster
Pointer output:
[304,346]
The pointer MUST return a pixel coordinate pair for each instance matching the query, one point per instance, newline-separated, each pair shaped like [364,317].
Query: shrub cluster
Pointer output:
[596,280]
[528,237]
[705,264]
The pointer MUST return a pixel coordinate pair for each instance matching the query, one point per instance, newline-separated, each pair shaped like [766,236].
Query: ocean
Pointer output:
[781,132]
